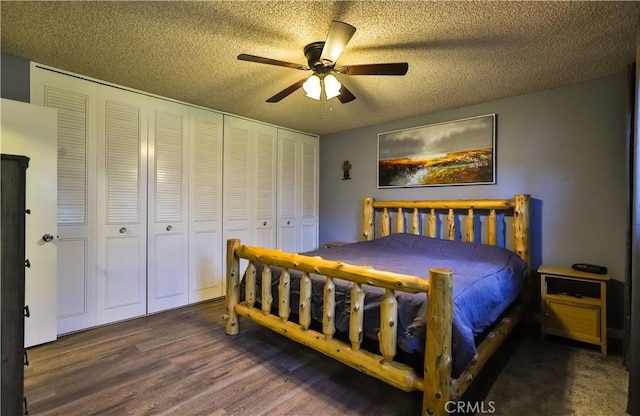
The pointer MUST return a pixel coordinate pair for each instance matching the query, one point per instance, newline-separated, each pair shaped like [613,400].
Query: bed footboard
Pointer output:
[436,384]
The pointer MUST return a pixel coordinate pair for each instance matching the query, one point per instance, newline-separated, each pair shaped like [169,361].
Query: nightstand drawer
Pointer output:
[581,322]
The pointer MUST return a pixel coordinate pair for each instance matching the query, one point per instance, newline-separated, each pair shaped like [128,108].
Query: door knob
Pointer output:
[47,238]
[169,228]
[123,230]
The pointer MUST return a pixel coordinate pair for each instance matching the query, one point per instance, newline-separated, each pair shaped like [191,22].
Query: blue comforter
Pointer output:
[486,280]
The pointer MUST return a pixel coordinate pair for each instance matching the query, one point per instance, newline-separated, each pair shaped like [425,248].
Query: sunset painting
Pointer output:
[458,152]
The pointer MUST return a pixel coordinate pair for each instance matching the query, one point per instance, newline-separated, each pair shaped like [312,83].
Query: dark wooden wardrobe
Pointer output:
[12,257]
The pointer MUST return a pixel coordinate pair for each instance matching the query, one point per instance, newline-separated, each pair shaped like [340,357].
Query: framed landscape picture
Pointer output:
[460,152]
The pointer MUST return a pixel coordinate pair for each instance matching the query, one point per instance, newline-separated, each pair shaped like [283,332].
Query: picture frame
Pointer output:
[458,152]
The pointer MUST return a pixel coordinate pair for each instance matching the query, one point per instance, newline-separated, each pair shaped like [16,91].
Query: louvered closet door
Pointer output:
[121,194]
[287,191]
[238,168]
[205,205]
[168,262]
[265,142]
[76,102]
[297,191]
[308,218]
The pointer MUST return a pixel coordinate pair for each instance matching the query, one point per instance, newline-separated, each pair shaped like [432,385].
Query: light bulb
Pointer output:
[331,86]
[312,87]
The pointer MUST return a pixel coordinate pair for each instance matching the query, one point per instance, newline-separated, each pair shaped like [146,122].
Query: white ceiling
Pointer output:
[459,53]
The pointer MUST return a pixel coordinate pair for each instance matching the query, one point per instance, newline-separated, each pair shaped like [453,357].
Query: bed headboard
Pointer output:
[480,219]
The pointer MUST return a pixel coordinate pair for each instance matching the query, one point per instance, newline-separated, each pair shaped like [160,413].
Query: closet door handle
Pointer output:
[122,230]
[169,228]
[27,312]
[47,238]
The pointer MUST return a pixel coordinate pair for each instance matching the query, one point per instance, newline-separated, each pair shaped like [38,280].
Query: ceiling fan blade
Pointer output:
[269,61]
[345,95]
[339,35]
[285,92]
[399,68]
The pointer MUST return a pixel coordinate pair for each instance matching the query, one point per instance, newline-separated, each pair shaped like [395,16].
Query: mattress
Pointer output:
[486,280]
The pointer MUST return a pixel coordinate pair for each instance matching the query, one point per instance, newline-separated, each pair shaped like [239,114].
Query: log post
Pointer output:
[283,296]
[437,359]
[470,234]
[367,219]
[356,318]
[415,224]
[250,284]
[385,222]
[267,297]
[233,287]
[521,227]
[432,223]
[451,219]
[492,228]
[400,221]
[305,301]
[329,309]
[388,327]
[521,218]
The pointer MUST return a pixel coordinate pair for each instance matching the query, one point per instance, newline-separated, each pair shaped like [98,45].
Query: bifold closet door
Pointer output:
[297,191]
[121,213]
[77,103]
[168,226]
[205,205]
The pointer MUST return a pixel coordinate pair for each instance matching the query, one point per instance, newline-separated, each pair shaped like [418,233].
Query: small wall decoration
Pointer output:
[460,152]
[346,167]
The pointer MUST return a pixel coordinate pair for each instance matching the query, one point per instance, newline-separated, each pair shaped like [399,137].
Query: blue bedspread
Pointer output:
[486,280]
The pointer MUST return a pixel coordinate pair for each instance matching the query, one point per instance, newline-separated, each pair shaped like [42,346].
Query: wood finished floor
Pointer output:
[181,362]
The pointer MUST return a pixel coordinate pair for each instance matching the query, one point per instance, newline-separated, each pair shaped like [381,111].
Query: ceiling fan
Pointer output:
[321,59]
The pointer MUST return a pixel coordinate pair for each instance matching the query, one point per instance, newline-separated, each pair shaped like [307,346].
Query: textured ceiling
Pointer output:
[459,53]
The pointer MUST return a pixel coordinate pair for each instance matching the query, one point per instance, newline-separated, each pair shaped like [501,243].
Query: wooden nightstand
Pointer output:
[574,304]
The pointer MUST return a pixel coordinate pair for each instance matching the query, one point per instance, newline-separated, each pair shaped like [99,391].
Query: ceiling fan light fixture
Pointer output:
[312,87]
[331,86]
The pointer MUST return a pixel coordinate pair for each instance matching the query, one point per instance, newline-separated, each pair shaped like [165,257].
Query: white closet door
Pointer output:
[297,191]
[238,167]
[76,102]
[308,218]
[121,193]
[287,191]
[205,205]
[264,191]
[168,237]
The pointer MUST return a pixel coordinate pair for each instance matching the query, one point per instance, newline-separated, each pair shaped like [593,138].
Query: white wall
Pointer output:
[566,147]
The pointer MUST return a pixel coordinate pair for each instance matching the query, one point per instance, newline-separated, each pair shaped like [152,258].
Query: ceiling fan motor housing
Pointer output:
[312,52]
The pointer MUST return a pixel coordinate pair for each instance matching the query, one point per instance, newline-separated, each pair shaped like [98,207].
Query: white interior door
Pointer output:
[287,192]
[122,196]
[76,102]
[308,218]
[168,238]
[22,135]
[205,205]
[264,146]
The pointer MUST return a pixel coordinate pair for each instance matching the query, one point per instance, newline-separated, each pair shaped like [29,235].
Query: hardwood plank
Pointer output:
[182,362]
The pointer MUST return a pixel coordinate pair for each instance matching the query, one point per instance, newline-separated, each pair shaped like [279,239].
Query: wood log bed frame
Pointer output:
[437,385]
